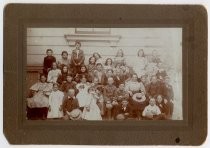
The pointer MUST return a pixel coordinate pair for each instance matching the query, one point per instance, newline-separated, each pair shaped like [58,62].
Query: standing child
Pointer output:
[53,74]
[108,64]
[91,67]
[77,58]
[119,58]
[48,60]
[91,110]
[83,91]
[55,103]
[100,74]
[62,78]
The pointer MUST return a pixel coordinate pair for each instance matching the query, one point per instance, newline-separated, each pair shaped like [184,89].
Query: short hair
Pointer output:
[99,64]
[42,75]
[78,42]
[49,50]
[64,52]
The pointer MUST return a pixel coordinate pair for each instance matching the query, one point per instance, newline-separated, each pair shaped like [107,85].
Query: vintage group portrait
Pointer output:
[104,74]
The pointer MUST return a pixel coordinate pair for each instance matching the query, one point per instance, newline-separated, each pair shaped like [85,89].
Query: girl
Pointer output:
[83,91]
[98,58]
[62,78]
[91,67]
[83,71]
[91,110]
[108,64]
[100,74]
[64,60]
[140,63]
[40,92]
[53,74]
[119,58]
[155,58]
[55,103]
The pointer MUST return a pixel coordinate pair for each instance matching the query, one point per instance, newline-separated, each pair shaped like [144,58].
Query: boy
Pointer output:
[70,103]
[77,58]
[123,108]
[70,84]
[48,60]
[152,111]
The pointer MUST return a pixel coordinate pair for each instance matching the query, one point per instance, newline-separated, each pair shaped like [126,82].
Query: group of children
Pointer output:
[107,89]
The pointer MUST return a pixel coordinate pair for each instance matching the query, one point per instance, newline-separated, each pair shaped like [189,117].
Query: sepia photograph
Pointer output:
[104,74]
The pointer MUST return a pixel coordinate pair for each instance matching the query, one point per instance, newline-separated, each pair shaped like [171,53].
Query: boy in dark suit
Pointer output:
[48,60]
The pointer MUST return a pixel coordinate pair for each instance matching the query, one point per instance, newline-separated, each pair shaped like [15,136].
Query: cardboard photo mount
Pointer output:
[192,130]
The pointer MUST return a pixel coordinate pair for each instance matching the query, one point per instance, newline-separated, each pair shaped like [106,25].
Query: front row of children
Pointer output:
[54,104]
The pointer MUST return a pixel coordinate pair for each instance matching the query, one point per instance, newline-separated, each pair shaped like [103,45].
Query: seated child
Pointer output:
[48,60]
[121,93]
[100,74]
[62,78]
[124,109]
[91,110]
[83,71]
[163,105]
[64,60]
[69,84]
[53,74]
[70,103]
[152,111]
[55,103]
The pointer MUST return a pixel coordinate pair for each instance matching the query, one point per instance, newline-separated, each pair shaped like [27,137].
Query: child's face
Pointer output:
[83,80]
[69,79]
[118,73]
[109,73]
[109,62]
[96,56]
[55,87]
[124,103]
[92,60]
[49,53]
[83,69]
[95,81]
[54,65]
[159,99]
[77,46]
[143,79]
[154,80]
[64,56]
[110,81]
[65,69]
[71,92]
[141,53]
[152,102]
[121,86]
[99,67]
[120,53]
[134,78]
[91,91]
[43,79]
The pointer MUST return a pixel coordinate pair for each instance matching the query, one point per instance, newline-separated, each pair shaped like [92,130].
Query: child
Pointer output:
[55,103]
[91,110]
[64,60]
[77,58]
[140,63]
[100,74]
[152,111]
[154,87]
[70,84]
[108,64]
[48,60]
[91,67]
[53,74]
[121,93]
[163,105]
[155,58]
[83,91]
[98,58]
[109,97]
[123,108]
[119,58]
[37,105]
[118,77]
[62,78]
[83,71]
[70,103]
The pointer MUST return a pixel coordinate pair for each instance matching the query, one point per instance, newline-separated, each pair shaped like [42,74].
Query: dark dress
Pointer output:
[48,60]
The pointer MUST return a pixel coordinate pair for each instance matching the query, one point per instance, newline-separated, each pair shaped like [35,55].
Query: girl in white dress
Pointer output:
[91,110]
[83,91]
[55,103]
[140,63]
[53,74]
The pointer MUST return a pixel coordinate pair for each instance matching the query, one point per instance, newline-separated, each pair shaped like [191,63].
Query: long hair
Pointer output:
[143,55]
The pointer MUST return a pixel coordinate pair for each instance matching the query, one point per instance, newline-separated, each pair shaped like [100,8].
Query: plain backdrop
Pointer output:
[3,141]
